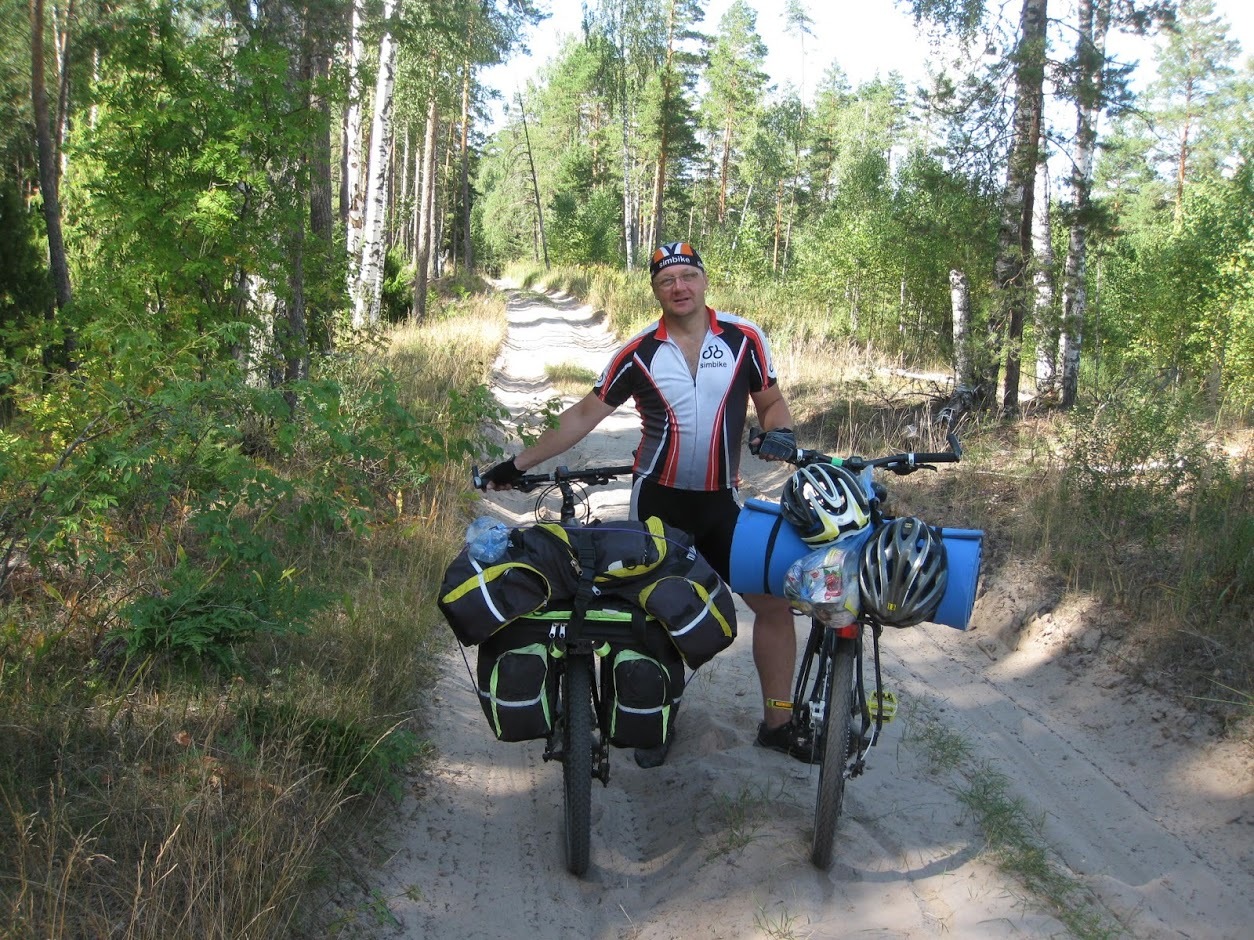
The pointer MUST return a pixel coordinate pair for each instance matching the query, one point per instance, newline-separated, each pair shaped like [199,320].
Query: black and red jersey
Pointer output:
[691,427]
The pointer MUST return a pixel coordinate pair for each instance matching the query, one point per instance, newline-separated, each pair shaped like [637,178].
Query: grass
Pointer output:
[1014,840]
[152,800]
[570,379]
[743,815]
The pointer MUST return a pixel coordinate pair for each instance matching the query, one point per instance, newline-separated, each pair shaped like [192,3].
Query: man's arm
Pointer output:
[573,425]
[772,409]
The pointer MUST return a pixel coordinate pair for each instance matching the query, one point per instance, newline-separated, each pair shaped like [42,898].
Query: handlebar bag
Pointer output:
[645,691]
[517,682]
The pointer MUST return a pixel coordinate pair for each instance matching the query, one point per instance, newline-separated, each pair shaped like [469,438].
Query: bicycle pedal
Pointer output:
[883,705]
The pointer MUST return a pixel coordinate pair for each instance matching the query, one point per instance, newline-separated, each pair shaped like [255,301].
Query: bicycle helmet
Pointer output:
[904,573]
[824,502]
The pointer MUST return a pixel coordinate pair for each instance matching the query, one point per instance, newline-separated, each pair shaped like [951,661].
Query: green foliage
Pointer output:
[398,285]
[350,750]
[1133,454]
[182,499]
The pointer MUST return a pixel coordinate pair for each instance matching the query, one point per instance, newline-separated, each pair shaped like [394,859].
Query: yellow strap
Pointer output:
[779,703]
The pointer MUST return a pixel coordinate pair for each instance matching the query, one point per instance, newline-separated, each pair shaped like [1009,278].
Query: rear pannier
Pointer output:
[645,694]
[647,564]
[517,682]
[697,609]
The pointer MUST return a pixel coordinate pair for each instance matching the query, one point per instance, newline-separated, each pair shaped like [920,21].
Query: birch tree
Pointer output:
[1044,316]
[1092,26]
[1014,236]
[368,285]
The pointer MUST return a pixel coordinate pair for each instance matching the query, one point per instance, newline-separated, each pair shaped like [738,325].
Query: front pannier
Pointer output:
[644,697]
[478,599]
[517,682]
[697,609]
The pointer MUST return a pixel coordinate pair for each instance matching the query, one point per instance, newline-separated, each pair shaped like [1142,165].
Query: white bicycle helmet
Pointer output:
[904,573]
[824,502]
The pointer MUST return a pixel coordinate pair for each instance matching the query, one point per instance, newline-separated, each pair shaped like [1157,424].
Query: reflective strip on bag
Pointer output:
[707,610]
[481,581]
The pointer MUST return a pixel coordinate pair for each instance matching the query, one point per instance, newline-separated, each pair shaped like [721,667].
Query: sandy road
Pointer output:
[1155,822]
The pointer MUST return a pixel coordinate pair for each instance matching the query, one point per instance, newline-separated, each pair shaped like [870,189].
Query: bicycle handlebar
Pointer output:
[592,476]
[900,464]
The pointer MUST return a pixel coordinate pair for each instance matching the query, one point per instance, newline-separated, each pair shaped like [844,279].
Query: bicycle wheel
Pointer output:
[837,727]
[577,761]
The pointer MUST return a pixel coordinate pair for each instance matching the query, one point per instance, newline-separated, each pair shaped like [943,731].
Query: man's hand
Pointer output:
[501,477]
[776,444]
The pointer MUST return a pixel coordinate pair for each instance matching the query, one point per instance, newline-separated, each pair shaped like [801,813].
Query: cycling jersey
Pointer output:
[691,427]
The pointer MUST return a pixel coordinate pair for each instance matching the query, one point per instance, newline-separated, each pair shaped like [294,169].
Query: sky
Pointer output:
[866,37]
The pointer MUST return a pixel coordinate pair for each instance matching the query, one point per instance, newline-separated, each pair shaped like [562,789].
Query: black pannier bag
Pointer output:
[645,690]
[478,599]
[648,564]
[656,567]
[517,681]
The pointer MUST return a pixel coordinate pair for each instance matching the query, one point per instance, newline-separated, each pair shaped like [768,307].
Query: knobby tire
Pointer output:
[838,726]
[577,761]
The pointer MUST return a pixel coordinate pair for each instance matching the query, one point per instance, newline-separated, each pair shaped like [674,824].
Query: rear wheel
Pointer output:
[837,727]
[577,761]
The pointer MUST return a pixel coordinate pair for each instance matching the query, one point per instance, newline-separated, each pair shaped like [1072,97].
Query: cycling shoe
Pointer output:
[787,740]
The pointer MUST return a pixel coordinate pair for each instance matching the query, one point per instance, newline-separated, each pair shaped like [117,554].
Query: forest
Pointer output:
[244,346]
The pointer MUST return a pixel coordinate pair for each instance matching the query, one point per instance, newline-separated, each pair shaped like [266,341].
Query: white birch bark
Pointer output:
[369,283]
[350,184]
[1044,321]
[1091,51]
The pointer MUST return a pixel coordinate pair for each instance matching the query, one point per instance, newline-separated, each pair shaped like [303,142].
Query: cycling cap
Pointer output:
[824,502]
[674,253]
[904,573]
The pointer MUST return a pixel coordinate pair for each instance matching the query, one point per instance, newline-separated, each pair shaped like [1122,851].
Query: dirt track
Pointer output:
[1154,821]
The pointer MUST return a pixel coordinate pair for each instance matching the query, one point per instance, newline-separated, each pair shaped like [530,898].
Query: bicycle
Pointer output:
[830,689]
[580,738]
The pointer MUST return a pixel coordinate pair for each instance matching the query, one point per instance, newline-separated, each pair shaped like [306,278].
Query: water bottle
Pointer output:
[486,539]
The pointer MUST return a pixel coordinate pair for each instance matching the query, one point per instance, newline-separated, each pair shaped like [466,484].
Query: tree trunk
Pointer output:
[423,199]
[629,215]
[369,283]
[63,89]
[468,252]
[663,153]
[350,166]
[1091,56]
[321,214]
[724,171]
[960,302]
[1044,318]
[1014,236]
[535,186]
[57,260]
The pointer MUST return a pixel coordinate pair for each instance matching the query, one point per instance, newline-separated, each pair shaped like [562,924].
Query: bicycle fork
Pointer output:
[554,747]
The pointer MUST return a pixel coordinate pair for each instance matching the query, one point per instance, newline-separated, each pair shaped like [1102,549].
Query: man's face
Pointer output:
[680,290]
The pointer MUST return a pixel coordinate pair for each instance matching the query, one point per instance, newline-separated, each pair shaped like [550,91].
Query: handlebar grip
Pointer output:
[475,479]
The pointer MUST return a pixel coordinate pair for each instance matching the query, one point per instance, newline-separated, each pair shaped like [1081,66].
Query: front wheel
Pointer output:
[837,727]
[577,761]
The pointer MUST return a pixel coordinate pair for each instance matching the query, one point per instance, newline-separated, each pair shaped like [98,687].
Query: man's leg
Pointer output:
[774,653]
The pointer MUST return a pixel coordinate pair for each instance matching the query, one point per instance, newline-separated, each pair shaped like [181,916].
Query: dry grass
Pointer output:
[148,801]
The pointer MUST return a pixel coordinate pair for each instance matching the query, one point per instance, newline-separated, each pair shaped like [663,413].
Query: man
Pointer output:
[692,375]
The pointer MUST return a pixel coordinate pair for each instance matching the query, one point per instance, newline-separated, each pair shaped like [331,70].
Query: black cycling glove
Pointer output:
[504,475]
[778,444]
